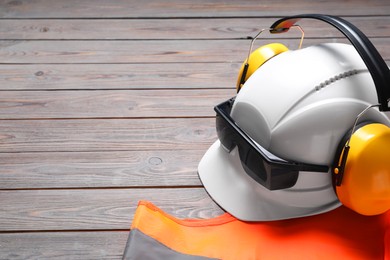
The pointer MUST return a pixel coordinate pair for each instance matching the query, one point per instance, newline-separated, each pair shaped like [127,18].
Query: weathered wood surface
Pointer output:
[63,245]
[95,209]
[169,51]
[187,28]
[118,76]
[111,103]
[126,169]
[185,8]
[104,103]
[83,135]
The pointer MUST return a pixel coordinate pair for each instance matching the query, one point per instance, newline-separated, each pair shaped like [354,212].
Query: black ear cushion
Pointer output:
[339,152]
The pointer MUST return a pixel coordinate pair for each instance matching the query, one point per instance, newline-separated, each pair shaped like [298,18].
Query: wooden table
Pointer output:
[105,103]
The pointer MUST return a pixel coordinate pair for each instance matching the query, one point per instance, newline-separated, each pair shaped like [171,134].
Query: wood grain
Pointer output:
[100,169]
[169,51]
[185,8]
[159,29]
[95,209]
[118,76]
[88,135]
[111,104]
[63,245]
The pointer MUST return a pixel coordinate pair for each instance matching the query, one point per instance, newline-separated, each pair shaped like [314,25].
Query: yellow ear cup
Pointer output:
[257,58]
[365,186]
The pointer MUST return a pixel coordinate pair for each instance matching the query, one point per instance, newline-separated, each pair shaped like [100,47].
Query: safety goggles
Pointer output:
[272,172]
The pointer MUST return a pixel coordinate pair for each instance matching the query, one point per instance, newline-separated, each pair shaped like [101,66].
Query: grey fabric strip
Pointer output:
[141,246]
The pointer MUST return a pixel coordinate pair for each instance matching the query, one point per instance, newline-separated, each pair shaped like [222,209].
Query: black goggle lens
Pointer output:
[272,174]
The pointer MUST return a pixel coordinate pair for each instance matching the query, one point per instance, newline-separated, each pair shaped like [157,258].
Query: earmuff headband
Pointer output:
[377,67]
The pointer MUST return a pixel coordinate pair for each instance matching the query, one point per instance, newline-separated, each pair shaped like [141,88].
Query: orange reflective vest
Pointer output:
[339,234]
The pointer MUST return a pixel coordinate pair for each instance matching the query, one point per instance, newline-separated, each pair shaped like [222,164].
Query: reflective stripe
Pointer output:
[141,247]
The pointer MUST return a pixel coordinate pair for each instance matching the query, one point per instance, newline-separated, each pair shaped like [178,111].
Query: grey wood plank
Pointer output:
[106,135]
[193,28]
[111,104]
[100,169]
[121,51]
[169,51]
[104,209]
[185,8]
[118,76]
[63,245]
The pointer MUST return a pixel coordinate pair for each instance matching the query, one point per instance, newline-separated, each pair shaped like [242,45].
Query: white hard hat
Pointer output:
[298,106]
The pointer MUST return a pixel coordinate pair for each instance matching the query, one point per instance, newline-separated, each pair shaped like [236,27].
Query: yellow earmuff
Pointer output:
[256,59]
[363,183]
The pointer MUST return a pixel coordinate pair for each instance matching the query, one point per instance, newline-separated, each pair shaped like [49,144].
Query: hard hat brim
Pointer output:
[232,189]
